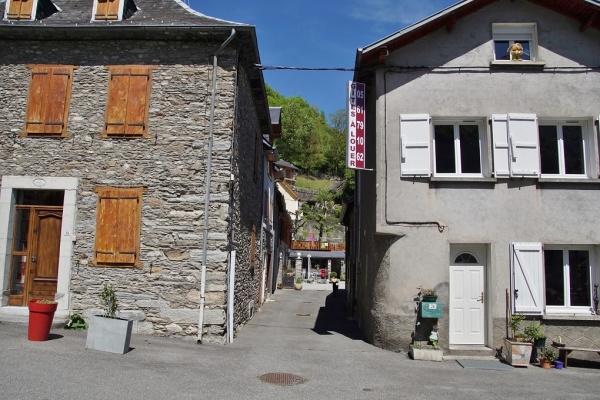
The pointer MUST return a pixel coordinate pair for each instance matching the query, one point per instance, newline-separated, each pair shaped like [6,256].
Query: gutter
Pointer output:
[208,183]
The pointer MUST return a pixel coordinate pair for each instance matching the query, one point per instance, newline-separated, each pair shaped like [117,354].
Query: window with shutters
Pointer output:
[568,277]
[48,100]
[118,224]
[458,148]
[128,102]
[113,10]
[28,10]
[563,148]
[524,35]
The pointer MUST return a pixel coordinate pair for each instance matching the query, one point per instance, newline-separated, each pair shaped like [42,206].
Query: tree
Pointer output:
[336,152]
[324,213]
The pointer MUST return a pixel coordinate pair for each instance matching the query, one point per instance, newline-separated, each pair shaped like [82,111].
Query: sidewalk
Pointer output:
[302,333]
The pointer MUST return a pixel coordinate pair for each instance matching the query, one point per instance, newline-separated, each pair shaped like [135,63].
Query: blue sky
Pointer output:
[318,34]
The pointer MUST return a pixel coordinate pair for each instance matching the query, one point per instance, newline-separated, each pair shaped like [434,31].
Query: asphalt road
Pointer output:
[301,335]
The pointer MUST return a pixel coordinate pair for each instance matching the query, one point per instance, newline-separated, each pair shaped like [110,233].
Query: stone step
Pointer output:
[469,352]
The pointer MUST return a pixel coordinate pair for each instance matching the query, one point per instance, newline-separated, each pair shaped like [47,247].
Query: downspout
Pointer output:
[213,95]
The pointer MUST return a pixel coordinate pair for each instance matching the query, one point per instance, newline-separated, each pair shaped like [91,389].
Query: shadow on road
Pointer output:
[333,318]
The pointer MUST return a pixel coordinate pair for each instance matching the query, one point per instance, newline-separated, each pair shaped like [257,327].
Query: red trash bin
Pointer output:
[323,274]
[40,320]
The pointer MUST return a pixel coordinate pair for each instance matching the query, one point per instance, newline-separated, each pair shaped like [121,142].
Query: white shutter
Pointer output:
[500,140]
[527,273]
[415,154]
[524,145]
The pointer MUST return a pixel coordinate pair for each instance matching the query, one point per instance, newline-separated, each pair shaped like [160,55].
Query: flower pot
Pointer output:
[516,353]
[109,334]
[40,320]
[545,363]
[539,343]
[559,364]
[430,298]
[298,286]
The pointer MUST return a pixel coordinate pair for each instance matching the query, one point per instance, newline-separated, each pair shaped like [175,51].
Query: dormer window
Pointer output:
[113,10]
[515,42]
[28,10]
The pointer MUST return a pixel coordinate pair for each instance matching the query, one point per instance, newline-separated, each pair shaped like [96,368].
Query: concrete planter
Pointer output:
[426,353]
[517,354]
[109,334]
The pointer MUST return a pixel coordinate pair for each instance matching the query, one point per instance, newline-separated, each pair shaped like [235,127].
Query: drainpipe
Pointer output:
[213,95]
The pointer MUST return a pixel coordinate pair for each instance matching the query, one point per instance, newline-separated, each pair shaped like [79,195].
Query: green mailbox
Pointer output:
[431,309]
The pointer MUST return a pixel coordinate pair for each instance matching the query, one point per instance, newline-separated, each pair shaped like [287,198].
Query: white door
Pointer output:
[467,296]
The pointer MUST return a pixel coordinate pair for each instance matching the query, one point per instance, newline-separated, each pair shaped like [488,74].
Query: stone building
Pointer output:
[484,176]
[131,154]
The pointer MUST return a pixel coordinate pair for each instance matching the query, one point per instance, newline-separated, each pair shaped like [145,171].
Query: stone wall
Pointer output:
[163,296]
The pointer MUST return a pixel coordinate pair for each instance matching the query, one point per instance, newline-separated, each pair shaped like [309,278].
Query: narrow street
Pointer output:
[300,337]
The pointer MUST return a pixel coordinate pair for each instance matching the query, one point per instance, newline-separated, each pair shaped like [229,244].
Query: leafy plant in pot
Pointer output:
[427,295]
[547,357]
[298,284]
[517,348]
[107,332]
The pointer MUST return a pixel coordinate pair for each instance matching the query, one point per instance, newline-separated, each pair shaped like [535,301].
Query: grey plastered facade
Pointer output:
[163,295]
[410,230]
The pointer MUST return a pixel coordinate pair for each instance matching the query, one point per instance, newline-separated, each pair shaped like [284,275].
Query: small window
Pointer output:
[29,10]
[515,42]
[458,148]
[562,149]
[465,258]
[128,101]
[568,278]
[118,224]
[48,101]
[113,10]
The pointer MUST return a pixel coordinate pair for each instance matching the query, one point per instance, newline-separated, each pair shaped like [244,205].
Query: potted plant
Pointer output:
[535,333]
[298,284]
[427,295]
[547,357]
[107,332]
[517,348]
[557,342]
[41,314]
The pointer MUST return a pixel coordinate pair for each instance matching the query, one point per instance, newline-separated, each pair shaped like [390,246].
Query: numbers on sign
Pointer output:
[360,157]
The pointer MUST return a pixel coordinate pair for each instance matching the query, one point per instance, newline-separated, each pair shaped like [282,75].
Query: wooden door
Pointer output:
[35,260]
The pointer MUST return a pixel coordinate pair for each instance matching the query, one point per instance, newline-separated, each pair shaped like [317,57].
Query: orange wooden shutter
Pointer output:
[118,226]
[128,94]
[107,9]
[20,9]
[137,104]
[47,103]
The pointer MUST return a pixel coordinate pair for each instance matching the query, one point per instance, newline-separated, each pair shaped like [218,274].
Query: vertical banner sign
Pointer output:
[355,143]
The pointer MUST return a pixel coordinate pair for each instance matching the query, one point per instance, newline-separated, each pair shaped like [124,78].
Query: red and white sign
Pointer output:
[355,143]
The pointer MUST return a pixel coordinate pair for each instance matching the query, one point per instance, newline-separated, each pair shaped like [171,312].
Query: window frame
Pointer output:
[567,308]
[10,3]
[587,142]
[118,16]
[456,123]
[112,115]
[129,234]
[48,92]
[515,32]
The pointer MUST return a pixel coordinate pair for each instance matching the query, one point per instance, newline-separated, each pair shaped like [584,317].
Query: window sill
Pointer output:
[571,317]
[459,179]
[517,64]
[568,180]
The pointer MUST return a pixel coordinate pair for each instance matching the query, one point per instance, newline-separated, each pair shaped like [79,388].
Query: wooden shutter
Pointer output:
[500,140]
[128,101]
[107,9]
[48,100]
[415,150]
[118,226]
[524,145]
[527,273]
[20,9]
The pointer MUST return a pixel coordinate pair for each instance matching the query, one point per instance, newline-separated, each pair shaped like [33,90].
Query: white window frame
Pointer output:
[515,32]
[568,309]
[33,11]
[587,135]
[456,123]
[120,15]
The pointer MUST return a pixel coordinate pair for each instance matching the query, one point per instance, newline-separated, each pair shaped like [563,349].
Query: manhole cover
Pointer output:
[303,315]
[282,378]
